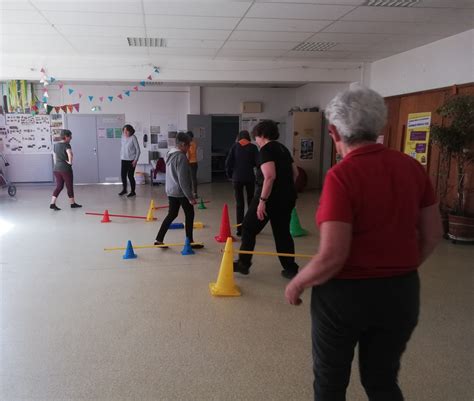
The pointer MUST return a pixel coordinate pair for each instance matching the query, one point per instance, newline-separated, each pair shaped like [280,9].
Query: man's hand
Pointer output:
[134,163]
[193,201]
[293,293]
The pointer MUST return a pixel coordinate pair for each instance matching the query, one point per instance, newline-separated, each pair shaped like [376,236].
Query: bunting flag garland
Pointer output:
[69,107]
[156,70]
[61,85]
[135,88]
[120,96]
[57,109]
[71,91]
[45,99]
[91,98]
[49,109]
[127,93]
[43,70]
[51,80]
[110,98]
[76,106]
[80,95]
[142,83]
[150,77]
[101,98]
[64,108]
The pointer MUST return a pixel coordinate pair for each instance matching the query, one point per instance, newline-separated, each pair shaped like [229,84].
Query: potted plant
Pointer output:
[455,140]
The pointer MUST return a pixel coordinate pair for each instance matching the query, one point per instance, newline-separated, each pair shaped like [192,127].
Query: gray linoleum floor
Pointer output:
[78,323]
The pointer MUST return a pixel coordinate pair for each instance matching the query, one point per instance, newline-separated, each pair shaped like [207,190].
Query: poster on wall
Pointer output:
[306,149]
[57,124]
[26,134]
[417,136]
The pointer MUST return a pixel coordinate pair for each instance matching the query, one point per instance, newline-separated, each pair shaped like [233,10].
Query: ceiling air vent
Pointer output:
[314,46]
[146,42]
[391,3]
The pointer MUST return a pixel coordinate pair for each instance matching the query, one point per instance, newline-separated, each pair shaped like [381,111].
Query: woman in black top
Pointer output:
[274,199]
[239,165]
[63,170]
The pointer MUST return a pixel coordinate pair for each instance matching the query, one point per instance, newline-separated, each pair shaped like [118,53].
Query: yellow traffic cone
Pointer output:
[151,209]
[225,286]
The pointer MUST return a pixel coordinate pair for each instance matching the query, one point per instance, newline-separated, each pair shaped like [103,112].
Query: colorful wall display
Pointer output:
[417,136]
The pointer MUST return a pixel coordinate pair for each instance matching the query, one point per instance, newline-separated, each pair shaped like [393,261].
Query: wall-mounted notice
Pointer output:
[101,133]
[26,134]
[57,124]
[306,149]
[417,136]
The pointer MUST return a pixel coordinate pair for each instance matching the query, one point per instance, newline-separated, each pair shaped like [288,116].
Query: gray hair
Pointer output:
[358,113]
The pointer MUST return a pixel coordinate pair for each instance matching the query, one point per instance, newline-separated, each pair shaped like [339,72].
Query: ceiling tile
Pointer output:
[297,11]
[339,2]
[104,41]
[183,52]
[202,34]
[397,28]
[100,19]
[392,14]
[96,30]
[27,29]
[349,37]
[240,44]
[111,50]
[22,17]
[270,36]
[282,25]
[252,53]
[446,3]
[194,44]
[36,45]
[122,6]
[162,21]
[16,5]
[205,9]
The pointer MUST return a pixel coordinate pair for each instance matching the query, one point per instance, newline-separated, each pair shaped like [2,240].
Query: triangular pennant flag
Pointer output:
[69,107]
[64,108]
[91,98]
[150,77]
[76,106]
[61,85]
[142,83]
[45,83]
[57,108]
[45,90]
[127,93]
[52,79]
[101,98]
[80,95]
[71,91]
[111,98]
[49,109]
[135,88]
[156,70]
[45,99]
[120,96]
[42,70]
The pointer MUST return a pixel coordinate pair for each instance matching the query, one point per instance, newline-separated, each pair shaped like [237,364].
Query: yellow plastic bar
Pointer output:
[296,255]
[150,246]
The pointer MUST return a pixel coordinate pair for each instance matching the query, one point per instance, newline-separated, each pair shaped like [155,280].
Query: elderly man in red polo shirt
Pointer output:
[379,220]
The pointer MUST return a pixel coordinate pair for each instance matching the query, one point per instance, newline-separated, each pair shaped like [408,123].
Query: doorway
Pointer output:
[224,132]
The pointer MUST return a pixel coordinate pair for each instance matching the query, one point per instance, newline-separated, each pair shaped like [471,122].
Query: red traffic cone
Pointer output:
[224,232]
[106,218]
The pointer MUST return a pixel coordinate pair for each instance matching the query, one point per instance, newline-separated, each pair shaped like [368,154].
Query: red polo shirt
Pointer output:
[380,192]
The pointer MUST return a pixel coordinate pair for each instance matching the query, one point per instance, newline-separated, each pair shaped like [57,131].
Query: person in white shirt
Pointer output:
[129,153]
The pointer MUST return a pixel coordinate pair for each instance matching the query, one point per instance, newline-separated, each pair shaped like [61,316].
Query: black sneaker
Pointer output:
[131,195]
[124,192]
[238,233]
[241,268]
[197,246]
[75,205]
[54,207]
[161,243]
[289,273]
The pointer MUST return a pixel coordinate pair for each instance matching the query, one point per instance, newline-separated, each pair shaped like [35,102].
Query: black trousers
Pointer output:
[194,180]
[128,171]
[174,204]
[239,199]
[380,315]
[279,215]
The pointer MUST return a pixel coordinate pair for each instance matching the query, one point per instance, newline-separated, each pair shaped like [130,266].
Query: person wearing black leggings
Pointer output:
[129,153]
[179,189]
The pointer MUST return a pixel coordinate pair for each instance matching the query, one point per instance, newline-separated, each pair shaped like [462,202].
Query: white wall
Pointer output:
[318,95]
[443,63]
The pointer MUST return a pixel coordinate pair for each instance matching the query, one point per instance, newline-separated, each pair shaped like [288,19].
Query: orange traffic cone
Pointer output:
[225,286]
[106,218]
[224,232]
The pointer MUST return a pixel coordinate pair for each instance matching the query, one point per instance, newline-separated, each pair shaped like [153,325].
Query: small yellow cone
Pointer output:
[225,286]
[149,215]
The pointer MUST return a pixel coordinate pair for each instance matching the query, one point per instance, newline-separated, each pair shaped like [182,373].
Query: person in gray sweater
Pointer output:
[179,189]
[129,153]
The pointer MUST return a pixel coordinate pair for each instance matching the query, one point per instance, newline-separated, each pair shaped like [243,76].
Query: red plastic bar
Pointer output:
[118,215]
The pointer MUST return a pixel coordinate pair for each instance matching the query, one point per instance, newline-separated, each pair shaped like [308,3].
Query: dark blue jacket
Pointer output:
[241,160]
